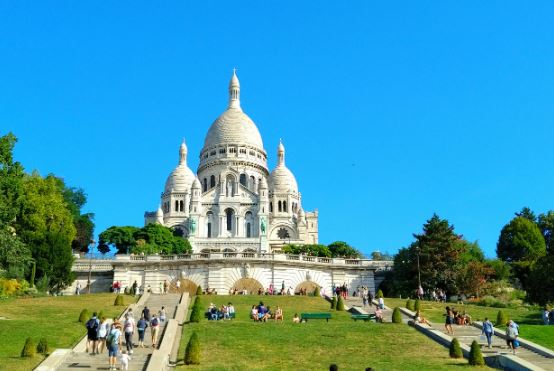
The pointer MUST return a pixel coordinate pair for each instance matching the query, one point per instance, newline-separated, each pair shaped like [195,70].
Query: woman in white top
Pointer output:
[162,314]
[102,333]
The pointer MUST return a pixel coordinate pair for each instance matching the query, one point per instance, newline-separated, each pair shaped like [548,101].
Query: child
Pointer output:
[124,358]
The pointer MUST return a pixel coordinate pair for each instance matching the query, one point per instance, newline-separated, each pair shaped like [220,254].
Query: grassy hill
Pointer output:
[242,344]
[55,318]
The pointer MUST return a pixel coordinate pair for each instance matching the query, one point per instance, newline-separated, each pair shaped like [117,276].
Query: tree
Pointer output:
[76,198]
[162,239]
[528,214]
[520,240]
[13,252]
[340,249]
[311,250]
[500,269]
[473,276]
[540,288]
[120,237]
[546,225]
[11,181]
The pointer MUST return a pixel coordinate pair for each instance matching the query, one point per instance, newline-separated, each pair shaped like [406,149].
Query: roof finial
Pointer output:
[183,150]
[234,91]
[281,152]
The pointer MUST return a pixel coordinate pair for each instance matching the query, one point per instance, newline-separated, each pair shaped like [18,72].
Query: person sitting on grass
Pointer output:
[418,318]
[278,314]
[231,310]
[254,313]
[378,314]
[261,310]
[268,314]
[295,319]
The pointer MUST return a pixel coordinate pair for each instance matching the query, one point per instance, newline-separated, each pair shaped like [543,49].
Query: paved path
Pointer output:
[140,357]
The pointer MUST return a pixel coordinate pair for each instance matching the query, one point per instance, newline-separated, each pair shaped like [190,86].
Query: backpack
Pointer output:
[92,324]
[154,322]
[111,339]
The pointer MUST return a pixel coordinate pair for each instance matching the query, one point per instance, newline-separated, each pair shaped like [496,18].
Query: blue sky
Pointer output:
[389,111]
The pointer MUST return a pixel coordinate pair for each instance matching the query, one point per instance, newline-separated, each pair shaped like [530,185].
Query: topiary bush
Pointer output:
[379,294]
[317,292]
[417,305]
[197,311]
[410,304]
[29,349]
[84,316]
[199,290]
[501,318]
[42,346]
[340,304]
[334,302]
[118,300]
[192,352]
[475,355]
[396,315]
[455,349]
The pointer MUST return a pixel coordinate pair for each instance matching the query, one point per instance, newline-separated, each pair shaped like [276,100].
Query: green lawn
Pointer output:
[528,320]
[242,344]
[55,318]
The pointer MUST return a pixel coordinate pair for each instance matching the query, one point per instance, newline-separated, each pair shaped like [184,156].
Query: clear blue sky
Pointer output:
[389,113]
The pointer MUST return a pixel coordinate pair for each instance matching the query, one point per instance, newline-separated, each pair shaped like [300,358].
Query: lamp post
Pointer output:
[92,242]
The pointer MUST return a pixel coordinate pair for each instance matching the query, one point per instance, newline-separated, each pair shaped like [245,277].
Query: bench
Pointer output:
[363,317]
[307,316]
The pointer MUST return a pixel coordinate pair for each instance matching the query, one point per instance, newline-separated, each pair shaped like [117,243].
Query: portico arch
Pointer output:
[251,285]
[186,286]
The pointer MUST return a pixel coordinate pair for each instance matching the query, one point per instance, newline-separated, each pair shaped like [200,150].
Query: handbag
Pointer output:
[516,343]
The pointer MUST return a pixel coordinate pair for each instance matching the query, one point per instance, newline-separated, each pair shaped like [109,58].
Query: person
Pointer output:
[178,285]
[231,310]
[278,314]
[130,313]
[420,319]
[78,288]
[545,315]
[161,288]
[378,314]
[92,333]
[488,330]
[142,324]
[124,358]
[551,317]
[154,329]
[449,321]
[146,313]
[511,336]
[364,300]
[295,319]
[129,330]
[162,314]
[166,286]
[102,333]
[113,341]
[381,303]
[134,287]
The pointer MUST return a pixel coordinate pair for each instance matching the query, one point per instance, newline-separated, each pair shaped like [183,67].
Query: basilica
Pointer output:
[233,203]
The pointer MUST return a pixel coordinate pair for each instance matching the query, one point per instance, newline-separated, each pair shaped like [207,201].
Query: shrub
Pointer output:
[197,312]
[118,300]
[199,290]
[334,302]
[42,346]
[455,349]
[29,349]
[396,315]
[192,352]
[379,294]
[501,318]
[417,305]
[410,304]
[84,316]
[475,355]
[317,293]
[340,304]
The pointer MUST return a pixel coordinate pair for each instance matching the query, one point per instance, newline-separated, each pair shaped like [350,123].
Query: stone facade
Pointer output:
[233,203]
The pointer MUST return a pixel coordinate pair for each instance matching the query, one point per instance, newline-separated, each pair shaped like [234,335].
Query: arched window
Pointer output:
[229,213]
[205,185]
[252,183]
[248,232]
[242,179]
[209,224]
[209,230]
[212,181]
[285,206]
[280,206]
[176,205]
[181,206]
[271,207]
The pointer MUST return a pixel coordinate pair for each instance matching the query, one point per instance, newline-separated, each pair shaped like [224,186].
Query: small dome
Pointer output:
[180,179]
[196,184]
[281,180]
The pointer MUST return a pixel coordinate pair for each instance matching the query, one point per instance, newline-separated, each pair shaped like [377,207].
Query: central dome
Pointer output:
[233,126]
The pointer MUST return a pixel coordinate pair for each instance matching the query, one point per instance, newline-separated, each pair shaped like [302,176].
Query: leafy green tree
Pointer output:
[163,238]
[546,225]
[520,240]
[76,198]
[11,181]
[340,249]
[121,237]
[540,288]
[13,252]
[312,250]
[500,269]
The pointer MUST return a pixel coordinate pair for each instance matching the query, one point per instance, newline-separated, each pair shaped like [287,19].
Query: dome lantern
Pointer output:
[183,153]
[234,91]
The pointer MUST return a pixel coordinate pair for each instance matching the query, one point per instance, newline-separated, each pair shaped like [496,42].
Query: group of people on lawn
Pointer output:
[262,313]
[224,312]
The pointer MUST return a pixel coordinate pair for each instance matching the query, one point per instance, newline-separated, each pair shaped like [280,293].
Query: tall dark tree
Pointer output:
[11,181]
[546,225]
[528,214]
[76,198]
[540,286]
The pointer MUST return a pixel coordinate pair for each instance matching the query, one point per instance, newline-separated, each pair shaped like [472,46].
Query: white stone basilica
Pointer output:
[234,204]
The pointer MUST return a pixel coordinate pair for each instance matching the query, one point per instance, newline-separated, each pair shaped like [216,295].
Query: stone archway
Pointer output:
[186,286]
[308,286]
[249,284]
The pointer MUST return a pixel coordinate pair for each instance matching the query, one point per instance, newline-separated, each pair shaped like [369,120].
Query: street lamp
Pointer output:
[92,242]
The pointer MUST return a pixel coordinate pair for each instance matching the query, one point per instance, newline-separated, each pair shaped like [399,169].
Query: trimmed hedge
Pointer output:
[317,292]
[84,316]
[118,300]
[197,312]
[199,290]
[410,304]
[379,294]
[475,355]
[192,352]
[417,305]
[455,349]
[334,302]
[29,349]
[396,315]
[340,304]
[42,346]
[501,318]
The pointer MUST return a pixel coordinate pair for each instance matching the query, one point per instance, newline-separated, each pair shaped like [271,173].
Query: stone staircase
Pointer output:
[140,356]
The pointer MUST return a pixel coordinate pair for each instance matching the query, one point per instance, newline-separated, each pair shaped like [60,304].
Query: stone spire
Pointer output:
[281,153]
[183,153]
[234,91]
